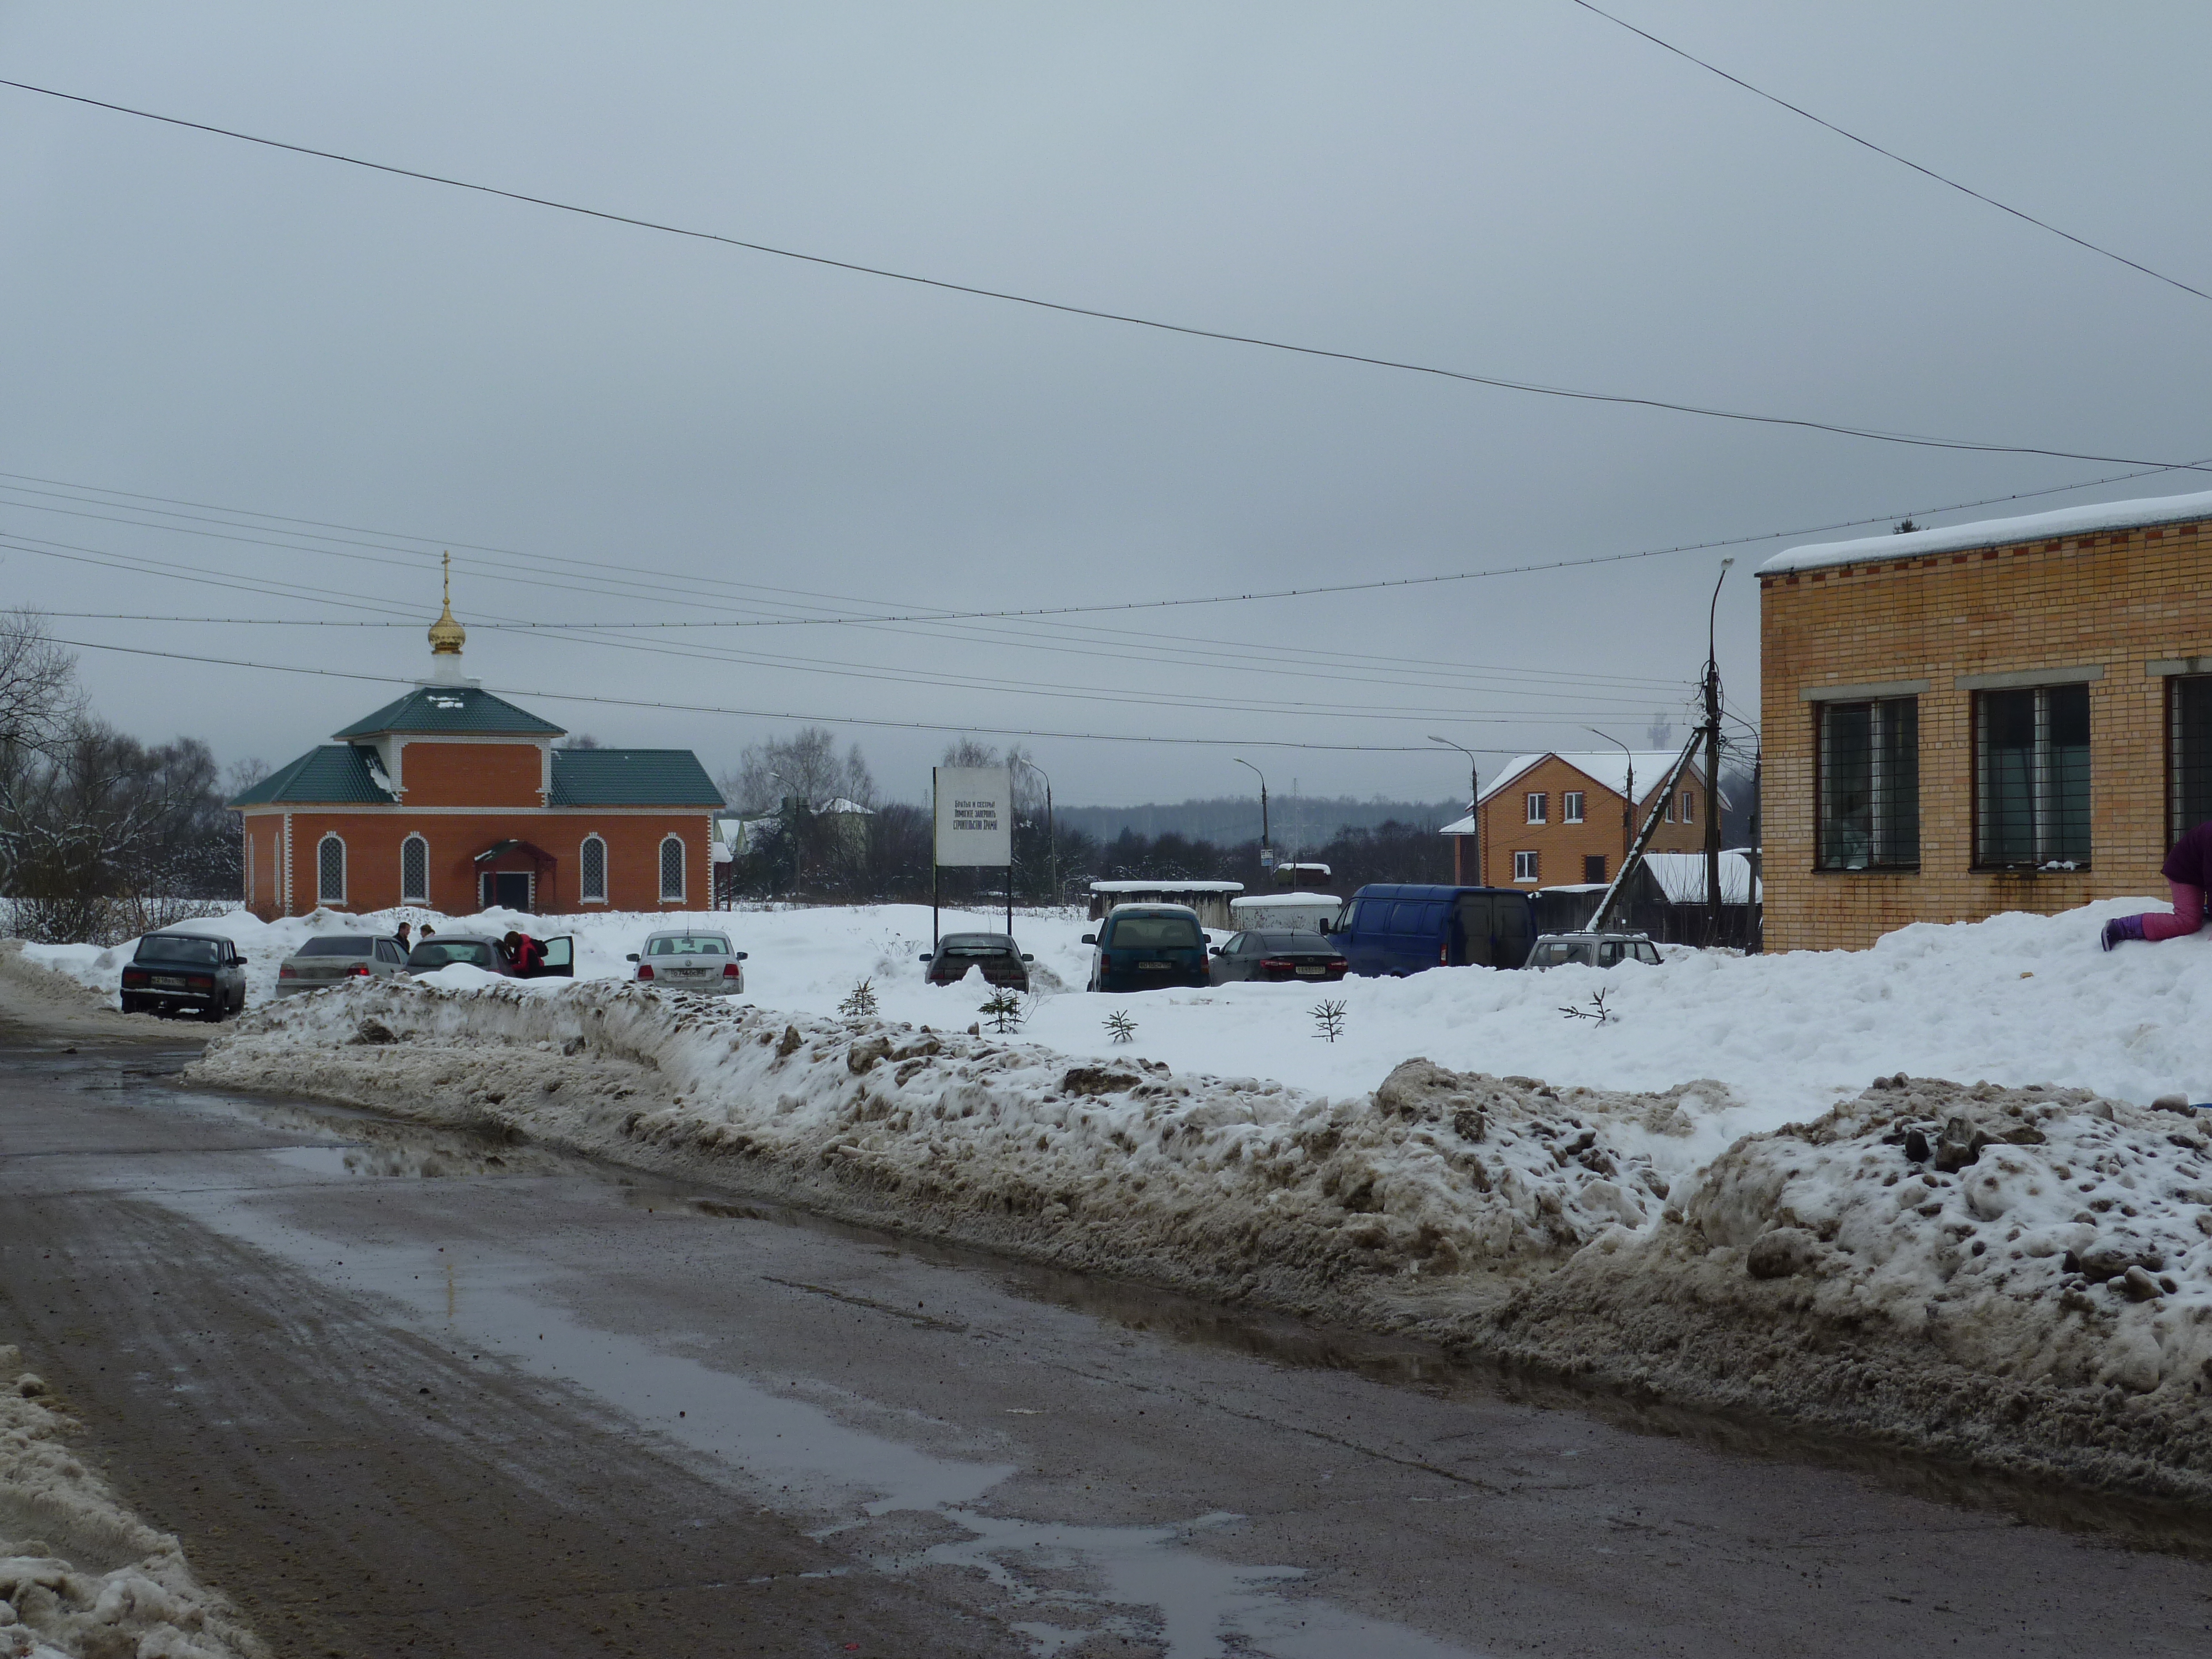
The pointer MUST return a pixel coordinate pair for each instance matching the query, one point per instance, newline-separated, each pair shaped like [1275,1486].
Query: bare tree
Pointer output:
[39,698]
[806,764]
[969,752]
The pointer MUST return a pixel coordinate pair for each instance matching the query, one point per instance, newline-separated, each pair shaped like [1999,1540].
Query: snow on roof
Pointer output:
[1166,886]
[1681,876]
[1608,770]
[1265,901]
[1995,532]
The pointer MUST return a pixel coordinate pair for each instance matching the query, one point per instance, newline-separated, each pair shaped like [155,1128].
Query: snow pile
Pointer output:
[2016,1275]
[1234,1186]
[52,1511]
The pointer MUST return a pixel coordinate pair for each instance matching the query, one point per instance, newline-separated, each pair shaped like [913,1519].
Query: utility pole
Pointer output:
[1474,802]
[1713,766]
[1267,843]
[797,831]
[1051,840]
[1628,797]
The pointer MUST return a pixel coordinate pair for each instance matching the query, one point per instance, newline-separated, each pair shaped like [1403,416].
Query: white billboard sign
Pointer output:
[974,817]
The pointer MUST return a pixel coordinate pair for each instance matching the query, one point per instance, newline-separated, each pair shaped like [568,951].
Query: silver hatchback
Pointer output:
[692,961]
[335,956]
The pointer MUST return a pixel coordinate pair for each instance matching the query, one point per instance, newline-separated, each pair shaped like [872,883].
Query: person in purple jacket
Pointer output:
[2187,872]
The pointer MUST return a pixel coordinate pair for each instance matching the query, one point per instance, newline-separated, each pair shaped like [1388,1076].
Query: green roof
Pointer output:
[437,708]
[631,777]
[337,772]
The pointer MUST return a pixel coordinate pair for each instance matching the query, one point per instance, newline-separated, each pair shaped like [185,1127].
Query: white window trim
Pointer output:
[422,898]
[583,896]
[1570,807]
[1539,805]
[1689,806]
[682,869]
[321,897]
[1533,864]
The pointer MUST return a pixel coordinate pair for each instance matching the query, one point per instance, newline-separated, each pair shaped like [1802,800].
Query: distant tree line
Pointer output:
[101,837]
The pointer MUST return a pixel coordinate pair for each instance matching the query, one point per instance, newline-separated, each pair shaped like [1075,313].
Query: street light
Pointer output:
[1474,802]
[1628,806]
[1051,840]
[1267,843]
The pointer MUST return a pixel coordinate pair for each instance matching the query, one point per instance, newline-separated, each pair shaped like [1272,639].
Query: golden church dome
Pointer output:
[447,636]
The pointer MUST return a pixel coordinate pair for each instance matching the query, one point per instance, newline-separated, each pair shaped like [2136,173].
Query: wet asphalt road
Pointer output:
[407,1392]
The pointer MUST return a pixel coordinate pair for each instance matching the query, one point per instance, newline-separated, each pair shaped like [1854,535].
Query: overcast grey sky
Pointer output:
[1520,190]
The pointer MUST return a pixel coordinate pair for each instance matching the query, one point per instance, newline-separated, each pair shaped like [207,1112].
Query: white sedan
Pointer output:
[703,963]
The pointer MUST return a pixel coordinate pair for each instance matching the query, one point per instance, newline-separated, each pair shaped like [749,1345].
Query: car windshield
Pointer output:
[977,944]
[441,952]
[351,945]
[1153,934]
[689,944]
[170,947]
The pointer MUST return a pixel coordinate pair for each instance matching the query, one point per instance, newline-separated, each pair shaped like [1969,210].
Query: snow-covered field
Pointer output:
[61,1532]
[2016,1000]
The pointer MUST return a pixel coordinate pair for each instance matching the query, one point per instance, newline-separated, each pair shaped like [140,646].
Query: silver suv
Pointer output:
[1592,950]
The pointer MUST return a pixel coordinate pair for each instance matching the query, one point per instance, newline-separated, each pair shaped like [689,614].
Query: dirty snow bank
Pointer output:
[1228,1186]
[55,1517]
[2019,1277]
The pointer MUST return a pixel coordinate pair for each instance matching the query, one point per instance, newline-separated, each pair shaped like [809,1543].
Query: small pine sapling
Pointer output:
[860,1002]
[1328,1020]
[1120,1027]
[1006,1010]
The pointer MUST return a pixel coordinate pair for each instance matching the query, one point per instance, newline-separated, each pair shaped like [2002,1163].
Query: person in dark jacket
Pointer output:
[526,953]
[2188,872]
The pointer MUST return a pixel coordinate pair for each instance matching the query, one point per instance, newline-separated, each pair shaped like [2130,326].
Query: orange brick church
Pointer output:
[455,800]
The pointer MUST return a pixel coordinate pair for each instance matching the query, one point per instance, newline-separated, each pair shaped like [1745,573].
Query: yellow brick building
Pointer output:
[2009,715]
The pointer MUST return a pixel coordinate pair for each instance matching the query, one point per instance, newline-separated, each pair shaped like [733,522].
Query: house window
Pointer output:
[671,868]
[1593,867]
[592,863]
[414,870]
[329,871]
[1524,866]
[1666,809]
[2188,754]
[1570,807]
[1868,788]
[1689,807]
[2032,778]
[1537,808]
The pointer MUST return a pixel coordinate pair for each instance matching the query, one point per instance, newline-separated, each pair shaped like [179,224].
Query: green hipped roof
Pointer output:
[631,777]
[347,773]
[436,708]
[337,772]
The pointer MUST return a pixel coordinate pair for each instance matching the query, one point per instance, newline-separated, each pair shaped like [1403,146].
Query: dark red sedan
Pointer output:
[1277,956]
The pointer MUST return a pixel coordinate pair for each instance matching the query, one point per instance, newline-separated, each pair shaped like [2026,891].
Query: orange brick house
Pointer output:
[455,800]
[2014,714]
[1555,820]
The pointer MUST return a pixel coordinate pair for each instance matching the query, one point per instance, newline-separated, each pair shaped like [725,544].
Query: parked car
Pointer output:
[684,961]
[1392,928]
[1277,956]
[173,973]
[1143,947]
[335,957]
[444,949]
[1592,950]
[1002,961]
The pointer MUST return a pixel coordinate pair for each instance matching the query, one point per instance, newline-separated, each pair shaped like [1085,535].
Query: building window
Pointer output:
[671,868]
[1689,807]
[1570,807]
[414,870]
[1593,867]
[1666,809]
[592,863]
[1524,866]
[2032,778]
[329,871]
[1537,808]
[1868,788]
[2188,754]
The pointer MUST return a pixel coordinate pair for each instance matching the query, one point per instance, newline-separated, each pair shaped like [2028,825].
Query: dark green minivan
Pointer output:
[1142,947]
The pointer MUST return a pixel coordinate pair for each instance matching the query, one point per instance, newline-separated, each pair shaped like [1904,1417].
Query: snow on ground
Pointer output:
[2016,1000]
[56,1518]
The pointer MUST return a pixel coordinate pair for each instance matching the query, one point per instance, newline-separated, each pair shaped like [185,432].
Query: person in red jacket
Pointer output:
[527,954]
[2188,872]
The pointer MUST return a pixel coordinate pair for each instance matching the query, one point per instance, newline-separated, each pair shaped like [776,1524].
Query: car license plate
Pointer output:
[1316,971]
[160,979]
[1155,967]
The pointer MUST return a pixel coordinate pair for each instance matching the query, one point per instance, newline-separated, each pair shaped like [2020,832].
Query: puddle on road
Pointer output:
[1142,1583]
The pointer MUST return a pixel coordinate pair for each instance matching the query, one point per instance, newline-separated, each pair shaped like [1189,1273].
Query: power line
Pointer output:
[1890,155]
[775,715]
[1498,382]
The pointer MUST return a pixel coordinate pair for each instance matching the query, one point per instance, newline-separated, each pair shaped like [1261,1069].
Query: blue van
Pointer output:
[1395,928]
